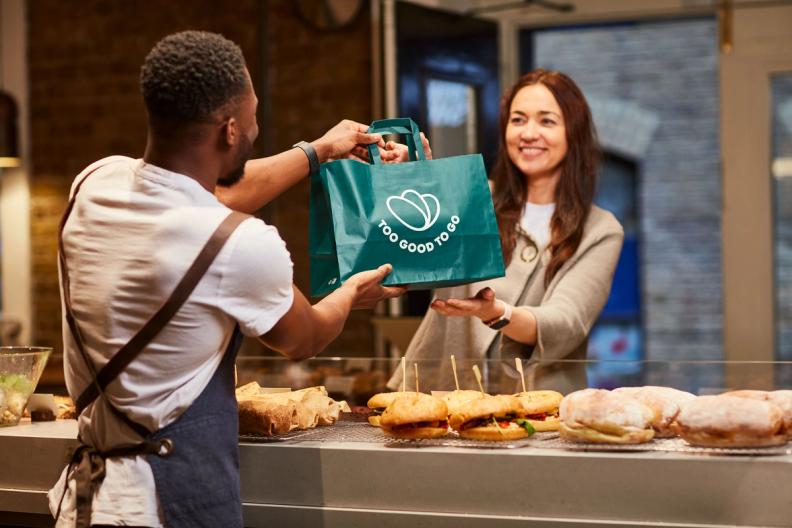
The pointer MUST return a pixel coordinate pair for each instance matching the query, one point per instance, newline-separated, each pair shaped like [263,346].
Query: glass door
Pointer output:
[781,173]
[756,102]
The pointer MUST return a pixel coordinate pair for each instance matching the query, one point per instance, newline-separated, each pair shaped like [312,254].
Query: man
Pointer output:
[159,277]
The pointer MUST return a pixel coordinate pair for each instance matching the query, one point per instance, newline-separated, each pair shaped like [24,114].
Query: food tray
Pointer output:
[348,431]
[355,431]
[673,445]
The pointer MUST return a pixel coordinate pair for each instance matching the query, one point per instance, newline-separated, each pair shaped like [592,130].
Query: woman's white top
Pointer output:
[536,222]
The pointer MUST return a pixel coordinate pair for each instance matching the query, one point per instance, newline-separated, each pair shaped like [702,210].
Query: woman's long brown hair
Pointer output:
[577,185]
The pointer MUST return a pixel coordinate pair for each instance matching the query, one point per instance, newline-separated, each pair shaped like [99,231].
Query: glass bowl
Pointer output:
[20,370]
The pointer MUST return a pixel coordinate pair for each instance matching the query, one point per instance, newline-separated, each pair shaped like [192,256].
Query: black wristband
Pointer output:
[310,151]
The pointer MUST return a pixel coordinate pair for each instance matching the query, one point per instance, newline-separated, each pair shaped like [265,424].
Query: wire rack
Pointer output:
[353,431]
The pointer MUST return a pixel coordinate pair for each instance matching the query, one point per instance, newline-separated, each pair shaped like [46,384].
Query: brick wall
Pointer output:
[670,69]
[84,60]
[315,80]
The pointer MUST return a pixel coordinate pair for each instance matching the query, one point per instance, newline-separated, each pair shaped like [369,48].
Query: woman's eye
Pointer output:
[517,120]
[548,122]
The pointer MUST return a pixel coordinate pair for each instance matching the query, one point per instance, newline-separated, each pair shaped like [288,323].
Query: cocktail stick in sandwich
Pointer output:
[415,415]
[493,418]
[601,416]
[782,398]
[665,403]
[379,402]
[731,421]
[540,408]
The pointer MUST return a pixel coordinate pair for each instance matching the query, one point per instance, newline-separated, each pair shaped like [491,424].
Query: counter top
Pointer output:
[349,484]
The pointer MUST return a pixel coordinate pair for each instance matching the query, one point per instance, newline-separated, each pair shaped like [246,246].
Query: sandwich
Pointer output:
[414,415]
[665,404]
[601,416]
[378,403]
[540,408]
[731,421]
[493,418]
[457,400]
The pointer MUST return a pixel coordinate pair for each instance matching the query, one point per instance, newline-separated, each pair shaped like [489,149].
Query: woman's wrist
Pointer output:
[499,308]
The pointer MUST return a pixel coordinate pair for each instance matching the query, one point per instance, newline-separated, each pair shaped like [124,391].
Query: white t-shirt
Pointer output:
[535,221]
[133,232]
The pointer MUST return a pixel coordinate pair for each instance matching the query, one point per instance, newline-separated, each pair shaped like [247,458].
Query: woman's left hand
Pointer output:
[483,305]
[399,153]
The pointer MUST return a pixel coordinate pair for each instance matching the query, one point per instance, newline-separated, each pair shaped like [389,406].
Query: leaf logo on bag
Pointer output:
[414,210]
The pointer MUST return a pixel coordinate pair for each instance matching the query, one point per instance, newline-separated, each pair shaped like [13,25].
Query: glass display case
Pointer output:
[356,379]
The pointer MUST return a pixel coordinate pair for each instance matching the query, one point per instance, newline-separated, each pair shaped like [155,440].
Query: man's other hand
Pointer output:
[368,290]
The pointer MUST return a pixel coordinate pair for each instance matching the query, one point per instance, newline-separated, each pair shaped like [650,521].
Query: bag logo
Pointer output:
[404,206]
[417,212]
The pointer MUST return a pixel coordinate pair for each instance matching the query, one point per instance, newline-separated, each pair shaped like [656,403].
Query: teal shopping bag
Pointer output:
[433,220]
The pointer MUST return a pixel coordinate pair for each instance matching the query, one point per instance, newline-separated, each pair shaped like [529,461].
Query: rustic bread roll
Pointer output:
[248,389]
[731,421]
[415,415]
[66,408]
[266,417]
[540,408]
[665,403]
[781,398]
[601,416]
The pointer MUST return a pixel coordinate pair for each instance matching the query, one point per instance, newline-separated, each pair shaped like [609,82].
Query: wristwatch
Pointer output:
[310,151]
[503,320]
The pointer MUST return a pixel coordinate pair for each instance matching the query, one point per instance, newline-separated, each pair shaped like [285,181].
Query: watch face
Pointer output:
[497,325]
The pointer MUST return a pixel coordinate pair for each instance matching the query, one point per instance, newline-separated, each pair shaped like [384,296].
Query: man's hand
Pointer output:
[483,306]
[399,153]
[368,290]
[348,139]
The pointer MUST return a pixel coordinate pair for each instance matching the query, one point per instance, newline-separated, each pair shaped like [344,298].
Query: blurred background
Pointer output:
[692,100]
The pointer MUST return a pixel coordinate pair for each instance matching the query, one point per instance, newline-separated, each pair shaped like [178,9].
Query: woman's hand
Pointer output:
[483,306]
[398,153]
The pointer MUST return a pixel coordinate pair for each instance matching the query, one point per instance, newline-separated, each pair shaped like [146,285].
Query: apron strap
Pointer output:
[163,316]
[88,466]
[101,379]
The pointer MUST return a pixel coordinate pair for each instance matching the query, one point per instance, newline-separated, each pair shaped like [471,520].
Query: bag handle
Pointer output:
[400,125]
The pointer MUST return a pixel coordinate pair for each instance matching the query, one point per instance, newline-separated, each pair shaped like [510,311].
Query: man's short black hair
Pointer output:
[188,76]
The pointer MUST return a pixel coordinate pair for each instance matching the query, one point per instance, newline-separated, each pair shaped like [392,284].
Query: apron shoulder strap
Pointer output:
[154,325]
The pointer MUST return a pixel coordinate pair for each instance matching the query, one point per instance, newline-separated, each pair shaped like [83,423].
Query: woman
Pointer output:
[560,250]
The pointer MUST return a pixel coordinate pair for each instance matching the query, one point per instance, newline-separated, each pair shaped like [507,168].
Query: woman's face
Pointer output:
[535,134]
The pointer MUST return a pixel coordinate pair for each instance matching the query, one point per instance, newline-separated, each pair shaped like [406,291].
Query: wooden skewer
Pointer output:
[453,367]
[518,361]
[477,373]
[416,377]
[404,375]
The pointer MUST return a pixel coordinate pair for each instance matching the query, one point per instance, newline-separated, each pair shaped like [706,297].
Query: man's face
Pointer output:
[245,117]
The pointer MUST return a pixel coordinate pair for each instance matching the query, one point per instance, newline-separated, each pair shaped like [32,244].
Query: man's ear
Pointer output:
[231,132]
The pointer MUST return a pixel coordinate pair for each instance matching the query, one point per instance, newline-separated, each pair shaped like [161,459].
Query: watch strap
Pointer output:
[310,152]
[503,320]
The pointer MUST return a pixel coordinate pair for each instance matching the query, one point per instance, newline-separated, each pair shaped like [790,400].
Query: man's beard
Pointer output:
[243,155]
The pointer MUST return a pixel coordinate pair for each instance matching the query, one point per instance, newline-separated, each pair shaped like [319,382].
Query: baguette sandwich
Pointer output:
[492,418]
[414,415]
